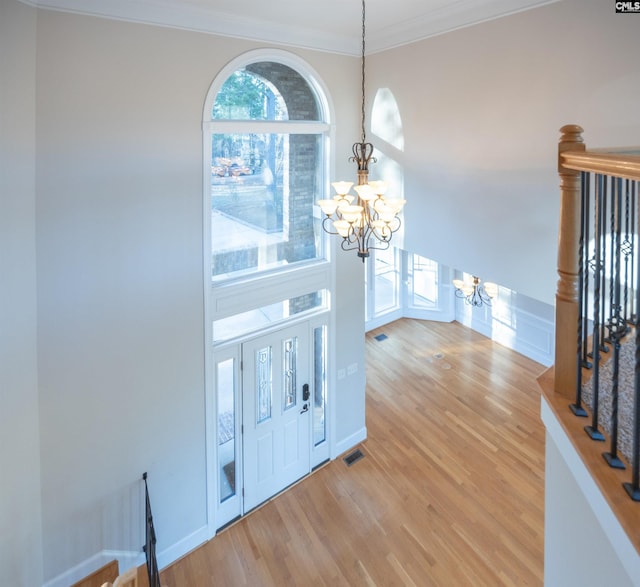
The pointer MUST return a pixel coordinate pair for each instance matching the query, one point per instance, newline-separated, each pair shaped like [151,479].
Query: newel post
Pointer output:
[568,249]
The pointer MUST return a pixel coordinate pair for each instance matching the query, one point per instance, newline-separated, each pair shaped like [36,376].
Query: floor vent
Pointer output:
[380,337]
[356,455]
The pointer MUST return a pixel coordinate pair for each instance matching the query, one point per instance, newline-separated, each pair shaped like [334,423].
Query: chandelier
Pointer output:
[474,292]
[368,219]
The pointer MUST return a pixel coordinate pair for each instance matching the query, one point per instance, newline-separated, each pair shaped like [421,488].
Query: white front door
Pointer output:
[276,413]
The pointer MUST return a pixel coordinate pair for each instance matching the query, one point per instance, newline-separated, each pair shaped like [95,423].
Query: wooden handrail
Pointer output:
[620,164]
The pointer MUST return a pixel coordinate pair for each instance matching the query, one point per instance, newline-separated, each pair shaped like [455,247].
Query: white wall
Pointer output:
[120,284]
[584,543]
[341,76]
[481,110]
[20,514]
[349,403]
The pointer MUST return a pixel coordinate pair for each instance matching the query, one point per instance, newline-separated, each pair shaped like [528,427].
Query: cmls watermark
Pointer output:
[628,7]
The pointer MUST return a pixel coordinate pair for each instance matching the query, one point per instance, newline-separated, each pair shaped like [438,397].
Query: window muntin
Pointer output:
[399,283]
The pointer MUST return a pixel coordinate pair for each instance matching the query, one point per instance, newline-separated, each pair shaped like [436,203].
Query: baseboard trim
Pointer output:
[176,551]
[126,559]
[349,442]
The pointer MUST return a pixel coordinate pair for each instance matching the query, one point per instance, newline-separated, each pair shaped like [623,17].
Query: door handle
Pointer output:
[305,408]
[305,392]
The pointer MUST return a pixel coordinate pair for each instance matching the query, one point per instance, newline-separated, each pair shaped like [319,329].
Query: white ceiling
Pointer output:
[327,25]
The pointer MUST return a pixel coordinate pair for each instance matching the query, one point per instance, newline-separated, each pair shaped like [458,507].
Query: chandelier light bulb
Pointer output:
[328,207]
[395,204]
[342,187]
[348,198]
[491,289]
[351,213]
[387,214]
[379,187]
[343,228]
[365,192]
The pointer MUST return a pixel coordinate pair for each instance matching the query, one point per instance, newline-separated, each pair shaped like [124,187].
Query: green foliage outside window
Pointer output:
[246,96]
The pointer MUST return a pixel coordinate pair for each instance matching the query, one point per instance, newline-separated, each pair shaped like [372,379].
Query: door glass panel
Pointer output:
[226,388]
[264,384]
[319,384]
[289,357]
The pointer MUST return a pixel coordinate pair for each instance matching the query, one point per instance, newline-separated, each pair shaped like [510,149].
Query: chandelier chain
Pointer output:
[363,133]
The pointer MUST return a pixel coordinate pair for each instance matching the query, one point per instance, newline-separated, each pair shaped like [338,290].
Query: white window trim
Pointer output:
[235,296]
[444,312]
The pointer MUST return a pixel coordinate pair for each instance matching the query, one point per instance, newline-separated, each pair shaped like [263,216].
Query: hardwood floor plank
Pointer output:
[450,491]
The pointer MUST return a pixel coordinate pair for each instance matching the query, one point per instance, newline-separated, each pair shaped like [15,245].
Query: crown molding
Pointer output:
[207,19]
[449,18]
[175,14]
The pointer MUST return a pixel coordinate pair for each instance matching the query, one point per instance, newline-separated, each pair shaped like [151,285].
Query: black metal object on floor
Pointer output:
[351,458]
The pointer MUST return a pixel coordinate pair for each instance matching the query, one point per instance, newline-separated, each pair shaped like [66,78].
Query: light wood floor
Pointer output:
[449,493]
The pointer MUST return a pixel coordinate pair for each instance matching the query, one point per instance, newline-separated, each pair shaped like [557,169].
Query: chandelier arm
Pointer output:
[353,237]
[349,245]
[384,245]
[327,221]
[385,233]
[392,230]
[484,296]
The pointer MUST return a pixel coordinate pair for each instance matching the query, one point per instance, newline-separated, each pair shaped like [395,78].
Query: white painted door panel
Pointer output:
[276,413]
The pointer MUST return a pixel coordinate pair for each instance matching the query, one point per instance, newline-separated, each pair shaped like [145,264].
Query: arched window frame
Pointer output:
[229,297]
